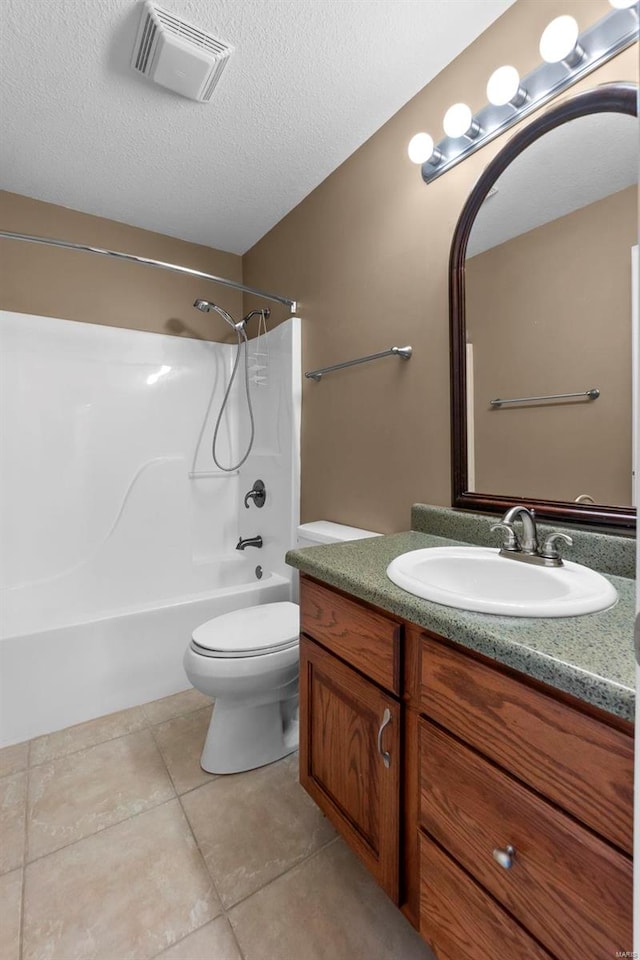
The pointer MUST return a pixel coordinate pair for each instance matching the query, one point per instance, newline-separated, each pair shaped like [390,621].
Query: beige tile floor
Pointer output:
[116,845]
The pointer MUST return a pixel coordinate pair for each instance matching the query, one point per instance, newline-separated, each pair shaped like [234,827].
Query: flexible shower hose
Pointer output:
[241,337]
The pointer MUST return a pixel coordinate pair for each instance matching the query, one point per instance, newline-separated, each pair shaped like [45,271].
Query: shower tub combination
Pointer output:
[118,532]
[54,677]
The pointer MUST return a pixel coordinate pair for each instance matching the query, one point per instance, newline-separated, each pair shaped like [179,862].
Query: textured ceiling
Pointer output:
[571,166]
[309,82]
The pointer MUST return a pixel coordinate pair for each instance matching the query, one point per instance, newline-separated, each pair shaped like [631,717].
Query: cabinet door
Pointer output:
[350,758]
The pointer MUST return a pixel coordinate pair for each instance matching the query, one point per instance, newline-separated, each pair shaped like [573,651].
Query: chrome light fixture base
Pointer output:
[611,35]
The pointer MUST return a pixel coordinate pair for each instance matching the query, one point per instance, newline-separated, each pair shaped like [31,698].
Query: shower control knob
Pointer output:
[258,494]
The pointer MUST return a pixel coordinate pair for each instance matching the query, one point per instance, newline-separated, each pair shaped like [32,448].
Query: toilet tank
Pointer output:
[325,531]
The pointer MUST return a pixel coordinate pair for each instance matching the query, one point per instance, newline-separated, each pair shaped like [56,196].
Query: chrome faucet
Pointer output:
[529,542]
[527,548]
[249,542]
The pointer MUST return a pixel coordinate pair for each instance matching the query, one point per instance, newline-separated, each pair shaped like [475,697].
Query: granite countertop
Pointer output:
[590,656]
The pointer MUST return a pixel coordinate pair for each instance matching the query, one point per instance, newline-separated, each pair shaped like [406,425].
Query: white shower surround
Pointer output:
[111,552]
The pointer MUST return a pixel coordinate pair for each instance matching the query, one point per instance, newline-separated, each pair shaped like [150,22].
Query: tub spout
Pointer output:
[249,542]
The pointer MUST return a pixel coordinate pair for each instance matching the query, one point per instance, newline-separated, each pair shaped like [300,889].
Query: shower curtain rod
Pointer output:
[176,268]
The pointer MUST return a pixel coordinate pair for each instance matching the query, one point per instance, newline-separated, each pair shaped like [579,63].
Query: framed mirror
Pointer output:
[542,271]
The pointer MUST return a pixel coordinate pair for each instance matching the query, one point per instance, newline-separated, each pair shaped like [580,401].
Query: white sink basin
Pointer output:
[478,578]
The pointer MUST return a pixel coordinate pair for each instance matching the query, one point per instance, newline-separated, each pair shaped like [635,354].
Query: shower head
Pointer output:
[203,305]
[206,305]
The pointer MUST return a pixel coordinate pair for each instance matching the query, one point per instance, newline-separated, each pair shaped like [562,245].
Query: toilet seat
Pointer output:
[250,632]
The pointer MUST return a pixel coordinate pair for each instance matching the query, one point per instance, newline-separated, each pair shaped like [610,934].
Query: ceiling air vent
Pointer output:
[178,55]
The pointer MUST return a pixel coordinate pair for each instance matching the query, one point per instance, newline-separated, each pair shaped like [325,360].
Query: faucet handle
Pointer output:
[550,550]
[258,494]
[510,541]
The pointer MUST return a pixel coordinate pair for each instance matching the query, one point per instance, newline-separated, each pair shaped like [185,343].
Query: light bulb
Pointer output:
[504,87]
[458,120]
[622,4]
[421,147]
[559,39]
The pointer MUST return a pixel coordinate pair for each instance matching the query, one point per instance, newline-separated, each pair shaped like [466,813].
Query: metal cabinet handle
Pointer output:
[386,720]
[505,857]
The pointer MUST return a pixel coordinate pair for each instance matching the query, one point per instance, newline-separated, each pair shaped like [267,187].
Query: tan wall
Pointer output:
[557,321]
[366,254]
[53,282]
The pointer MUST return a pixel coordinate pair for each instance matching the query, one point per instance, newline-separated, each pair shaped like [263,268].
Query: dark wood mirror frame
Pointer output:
[617,98]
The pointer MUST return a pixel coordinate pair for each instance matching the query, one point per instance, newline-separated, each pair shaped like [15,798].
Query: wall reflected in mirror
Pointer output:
[549,311]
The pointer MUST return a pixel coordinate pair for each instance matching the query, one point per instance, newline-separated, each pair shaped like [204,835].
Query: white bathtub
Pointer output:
[117,534]
[55,674]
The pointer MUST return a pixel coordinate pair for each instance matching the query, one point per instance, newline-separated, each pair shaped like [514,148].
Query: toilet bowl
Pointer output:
[247,661]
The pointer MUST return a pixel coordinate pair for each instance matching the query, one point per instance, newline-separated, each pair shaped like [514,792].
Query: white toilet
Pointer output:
[247,661]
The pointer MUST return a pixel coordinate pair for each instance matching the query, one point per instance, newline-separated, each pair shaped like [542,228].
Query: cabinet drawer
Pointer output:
[578,761]
[369,641]
[570,889]
[461,921]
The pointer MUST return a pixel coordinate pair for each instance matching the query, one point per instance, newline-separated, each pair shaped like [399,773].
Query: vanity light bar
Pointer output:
[569,57]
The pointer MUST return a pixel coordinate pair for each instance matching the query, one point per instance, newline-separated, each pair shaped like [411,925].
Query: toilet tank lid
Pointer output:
[251,629]
[326,531]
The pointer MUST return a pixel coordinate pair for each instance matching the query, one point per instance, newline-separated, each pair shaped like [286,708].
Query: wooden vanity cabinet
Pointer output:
[502,824]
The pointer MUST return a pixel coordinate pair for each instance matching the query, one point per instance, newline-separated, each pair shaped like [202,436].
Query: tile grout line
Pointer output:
[164,763]
[224,910]
[273,880]
[148,724]
[293,866]
[213,883]
[14,773]
[221,916]
[24,852]
[88,746]
[156,723]
[96,833]
[117,823]
[164,759]
[214,777]
[132,816]
[241,952]
[155,806]
[204,862]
